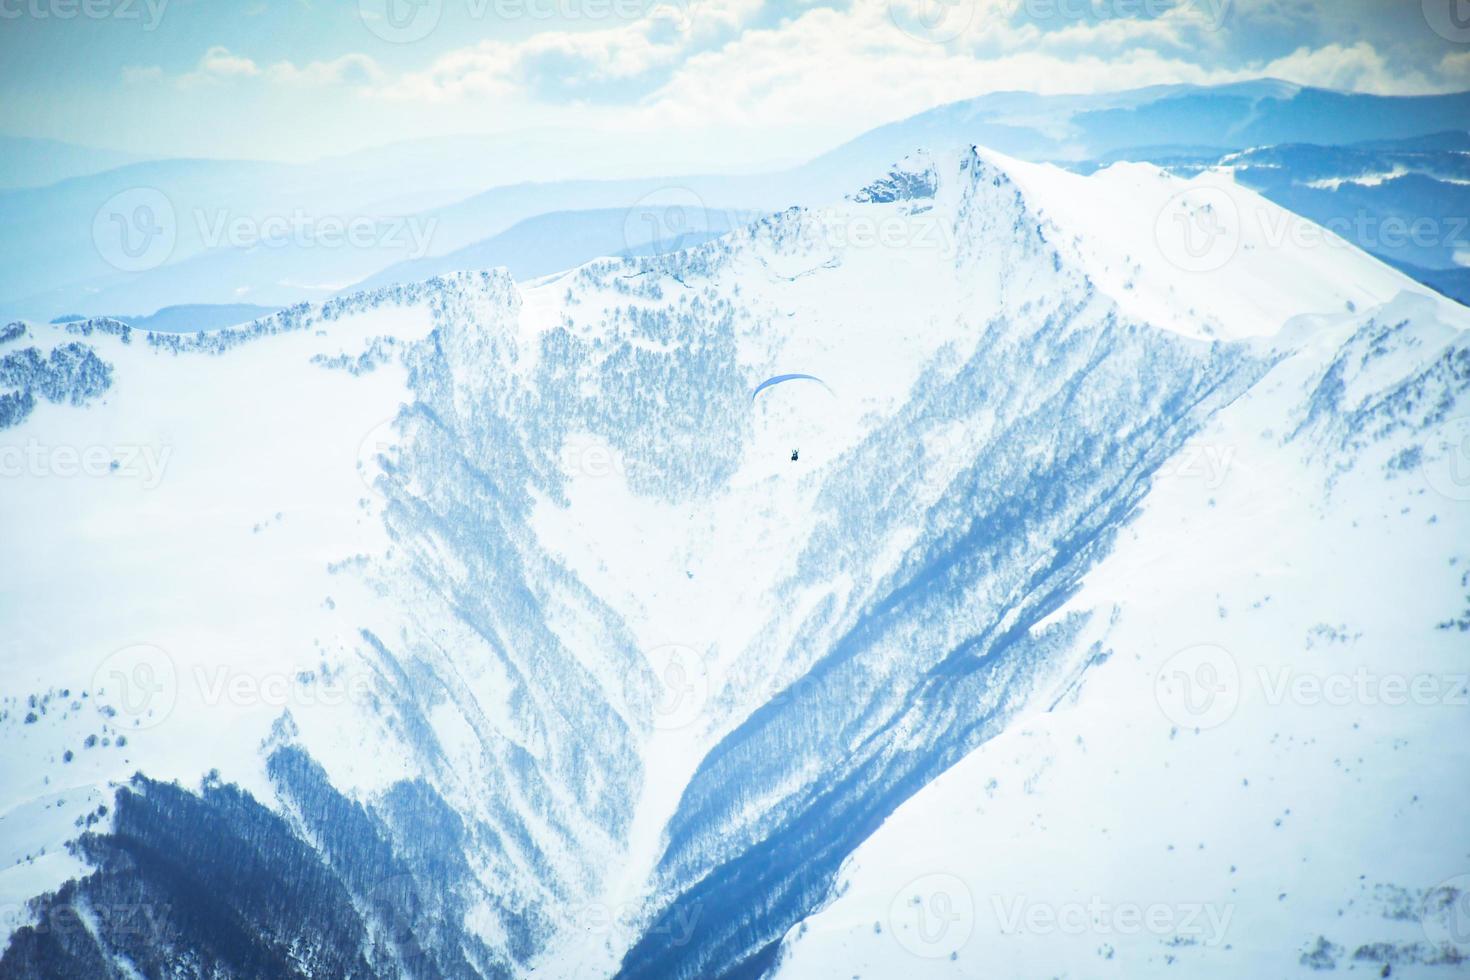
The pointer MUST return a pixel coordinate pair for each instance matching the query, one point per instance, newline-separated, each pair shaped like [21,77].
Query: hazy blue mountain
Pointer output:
[551,242]
[27,162]
[453,193]
[187,319]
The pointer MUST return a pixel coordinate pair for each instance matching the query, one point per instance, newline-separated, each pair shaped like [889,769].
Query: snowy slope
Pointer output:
[1264,776]
[518,641]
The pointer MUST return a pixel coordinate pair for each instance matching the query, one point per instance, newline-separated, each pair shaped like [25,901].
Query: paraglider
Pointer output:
[778,379]
[782,379]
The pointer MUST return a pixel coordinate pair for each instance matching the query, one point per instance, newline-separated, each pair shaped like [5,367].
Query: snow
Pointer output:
[211,553]
[249,545]
[1315,797]
[1204,257]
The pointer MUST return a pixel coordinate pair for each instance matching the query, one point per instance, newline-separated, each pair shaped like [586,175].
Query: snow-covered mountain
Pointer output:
[1404,201]
[474,628]
[136,238]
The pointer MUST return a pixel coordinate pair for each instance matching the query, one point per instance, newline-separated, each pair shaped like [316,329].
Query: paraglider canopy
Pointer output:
[794,416]
[782,378]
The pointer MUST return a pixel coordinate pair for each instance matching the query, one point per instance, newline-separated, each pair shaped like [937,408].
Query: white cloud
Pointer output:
[219,61]
[702,65]
[349,69]
[138,74]
[219,65]
[574,63]
[1454,69]
[1358,68]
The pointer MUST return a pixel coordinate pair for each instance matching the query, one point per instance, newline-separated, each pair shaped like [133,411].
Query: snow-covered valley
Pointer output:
[471,627]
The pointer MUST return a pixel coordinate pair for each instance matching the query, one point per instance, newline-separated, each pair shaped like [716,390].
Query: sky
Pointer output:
[764,80]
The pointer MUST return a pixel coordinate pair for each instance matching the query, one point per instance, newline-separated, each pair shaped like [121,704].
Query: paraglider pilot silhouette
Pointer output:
[779,379]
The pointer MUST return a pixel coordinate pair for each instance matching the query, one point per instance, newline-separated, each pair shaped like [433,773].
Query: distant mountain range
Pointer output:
[230,232]
[26,162]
